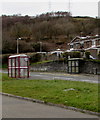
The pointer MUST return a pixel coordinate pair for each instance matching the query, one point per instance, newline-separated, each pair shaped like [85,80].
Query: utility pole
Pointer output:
[69,6]
[18,45]
[40,46]
[49,4]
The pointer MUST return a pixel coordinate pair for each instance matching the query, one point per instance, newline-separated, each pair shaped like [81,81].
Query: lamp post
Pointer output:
[40,46]
[17,45]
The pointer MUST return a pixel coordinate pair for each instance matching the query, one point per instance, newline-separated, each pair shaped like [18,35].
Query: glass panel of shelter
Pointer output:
[73,63]
[13,72]
[16,62]
[73,69]
[23,62]
[13,62]
[69,69]
[73,66]
[77,69]
[76,63]
[23,72]
[9,72]
[69,63]
[9,65]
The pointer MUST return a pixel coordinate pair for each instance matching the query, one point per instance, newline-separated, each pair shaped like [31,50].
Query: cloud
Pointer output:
[36,7]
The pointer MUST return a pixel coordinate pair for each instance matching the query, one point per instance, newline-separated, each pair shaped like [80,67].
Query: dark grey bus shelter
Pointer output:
[74,65]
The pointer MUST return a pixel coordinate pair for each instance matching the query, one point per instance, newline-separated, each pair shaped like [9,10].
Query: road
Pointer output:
[63,76]
[17,108]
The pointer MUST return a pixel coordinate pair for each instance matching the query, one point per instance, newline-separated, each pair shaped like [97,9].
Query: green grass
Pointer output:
[85,95]
[46,61]
[0,82]
[3,66]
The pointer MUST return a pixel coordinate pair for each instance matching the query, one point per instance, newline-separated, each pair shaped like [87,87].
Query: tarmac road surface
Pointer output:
[63,76]
[17,108]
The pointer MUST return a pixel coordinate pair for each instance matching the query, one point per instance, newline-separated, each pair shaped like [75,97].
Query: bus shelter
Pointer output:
[74,65]
[18,66]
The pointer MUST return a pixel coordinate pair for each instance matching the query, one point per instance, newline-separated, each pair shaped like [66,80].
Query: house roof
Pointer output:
[87,38]
[96,48]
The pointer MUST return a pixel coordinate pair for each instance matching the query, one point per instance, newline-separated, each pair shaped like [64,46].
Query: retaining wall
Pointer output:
[88,67]
[50,67]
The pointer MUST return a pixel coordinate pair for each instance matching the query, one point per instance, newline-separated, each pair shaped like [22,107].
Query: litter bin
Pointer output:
[18,66]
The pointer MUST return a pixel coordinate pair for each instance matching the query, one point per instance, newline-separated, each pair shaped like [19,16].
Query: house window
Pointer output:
[82,45]
[87,44]
[71,45]
[93,43]
[99,42]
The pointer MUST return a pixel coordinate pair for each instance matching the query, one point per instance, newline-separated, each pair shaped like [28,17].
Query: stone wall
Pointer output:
[50,67]
[88,67]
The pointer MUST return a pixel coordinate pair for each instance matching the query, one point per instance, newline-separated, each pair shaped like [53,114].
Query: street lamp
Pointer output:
[17,45]
[40,46]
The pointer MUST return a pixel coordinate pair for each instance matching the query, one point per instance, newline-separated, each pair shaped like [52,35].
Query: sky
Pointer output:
[36,7]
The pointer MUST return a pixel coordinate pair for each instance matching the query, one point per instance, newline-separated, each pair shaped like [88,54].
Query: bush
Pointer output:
[35,58]
[87,53]
[65,55]
[37,46]
[25,47]
[75,54]
[99,55]
[4,58]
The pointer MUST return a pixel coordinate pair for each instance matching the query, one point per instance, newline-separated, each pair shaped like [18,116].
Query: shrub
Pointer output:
[99,55]
[65,55]
[75,54]
[25,47]
[37,46]
[35,58]
[87,53]
[5,58]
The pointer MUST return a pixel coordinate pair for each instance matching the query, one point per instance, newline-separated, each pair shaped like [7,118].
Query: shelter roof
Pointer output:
[19,55]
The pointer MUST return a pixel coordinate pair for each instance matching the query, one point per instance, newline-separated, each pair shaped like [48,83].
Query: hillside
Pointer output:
[50,30]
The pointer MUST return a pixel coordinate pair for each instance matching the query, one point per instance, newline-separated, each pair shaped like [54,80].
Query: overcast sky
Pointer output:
[36,7]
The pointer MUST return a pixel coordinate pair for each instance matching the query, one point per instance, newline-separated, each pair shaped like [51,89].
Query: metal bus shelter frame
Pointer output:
[19,67]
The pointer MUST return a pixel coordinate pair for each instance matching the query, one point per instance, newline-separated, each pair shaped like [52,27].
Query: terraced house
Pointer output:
[88,43]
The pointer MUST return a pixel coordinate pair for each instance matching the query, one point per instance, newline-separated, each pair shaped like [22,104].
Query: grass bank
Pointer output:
[46,61]
[77,94]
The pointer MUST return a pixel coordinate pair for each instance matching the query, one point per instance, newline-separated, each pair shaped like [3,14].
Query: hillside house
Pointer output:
[88,43]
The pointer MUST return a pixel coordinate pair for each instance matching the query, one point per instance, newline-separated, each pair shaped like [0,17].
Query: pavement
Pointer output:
[18,108]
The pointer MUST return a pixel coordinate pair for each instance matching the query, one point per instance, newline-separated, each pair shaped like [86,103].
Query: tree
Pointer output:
[20,30]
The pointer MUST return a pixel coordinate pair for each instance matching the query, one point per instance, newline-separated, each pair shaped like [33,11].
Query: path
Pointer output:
[17,108]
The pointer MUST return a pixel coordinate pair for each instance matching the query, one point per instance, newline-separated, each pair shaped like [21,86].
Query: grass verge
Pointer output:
[70,93]
[46,61]
[3,66]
